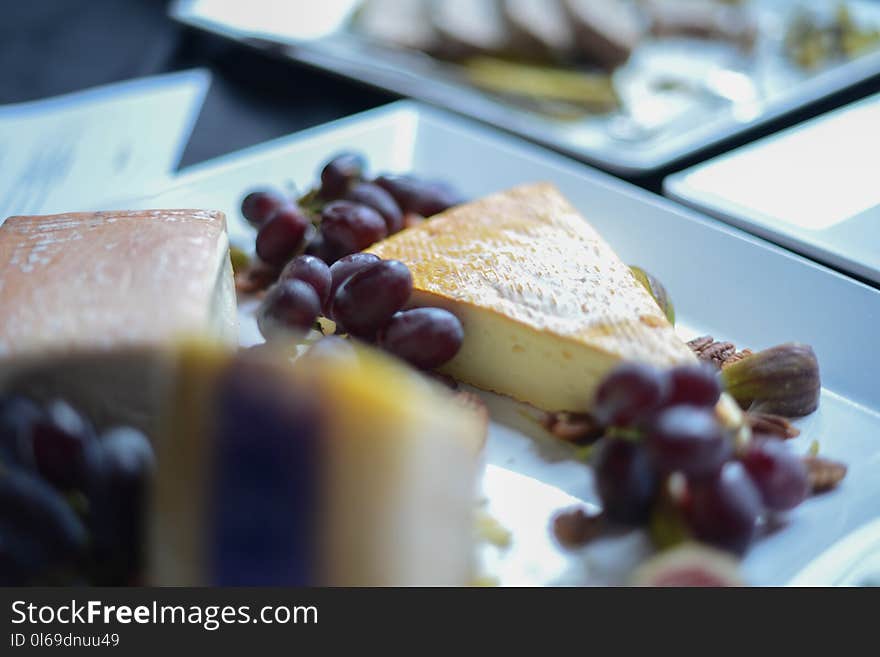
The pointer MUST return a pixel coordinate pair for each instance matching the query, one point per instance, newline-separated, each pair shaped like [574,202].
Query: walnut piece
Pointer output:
[772,425]
[579,428]
[255,278]
[824,473]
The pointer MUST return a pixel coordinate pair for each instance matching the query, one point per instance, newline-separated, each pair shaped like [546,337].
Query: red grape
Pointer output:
[259,206]
[17,417]
[372,195]
[350,227]
[688,439]
[339,173]
[697,385]
[289,308]
[346,267]
[723,509]
[127,453]
[38,526]
[62,443]
[424,337]
[781,477]
[312,270]
[321,249]
[625,479]
[280,237]
[315,247]
[365,302]
[628,393]
[118,502]
[422,197]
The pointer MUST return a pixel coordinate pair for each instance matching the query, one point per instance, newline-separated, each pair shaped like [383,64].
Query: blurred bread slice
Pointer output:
[541,27]
[399,23]
[468,28]
[606,31]
[703,19]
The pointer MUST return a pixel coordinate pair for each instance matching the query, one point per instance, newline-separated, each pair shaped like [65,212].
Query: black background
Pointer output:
[48,47]
[487,622]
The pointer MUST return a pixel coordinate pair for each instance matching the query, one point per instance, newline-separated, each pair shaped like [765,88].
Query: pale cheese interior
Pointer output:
[399,510]
[399,460]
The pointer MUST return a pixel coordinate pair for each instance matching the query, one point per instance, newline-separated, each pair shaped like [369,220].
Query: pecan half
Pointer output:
[580,428]
[736,357]
[824,473]
[255,278]
[575,527]
[772,425]
[709,350]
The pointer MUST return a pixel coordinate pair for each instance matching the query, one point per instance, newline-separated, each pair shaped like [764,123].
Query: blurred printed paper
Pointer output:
[72,152]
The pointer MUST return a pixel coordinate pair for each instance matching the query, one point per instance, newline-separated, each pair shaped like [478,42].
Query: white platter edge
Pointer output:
[679,187]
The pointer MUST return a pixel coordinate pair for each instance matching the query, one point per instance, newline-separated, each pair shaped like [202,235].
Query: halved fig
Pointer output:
[689,565]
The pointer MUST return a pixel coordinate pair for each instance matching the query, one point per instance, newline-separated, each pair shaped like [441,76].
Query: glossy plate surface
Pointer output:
[812,188]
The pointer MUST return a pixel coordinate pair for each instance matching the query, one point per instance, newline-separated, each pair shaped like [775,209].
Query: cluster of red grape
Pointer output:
[72,502]
[346,214]
[663,431]
[365,296]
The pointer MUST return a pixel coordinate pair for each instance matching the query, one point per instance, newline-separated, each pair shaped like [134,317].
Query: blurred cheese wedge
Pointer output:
[340,471]
[91,302]
[547,307]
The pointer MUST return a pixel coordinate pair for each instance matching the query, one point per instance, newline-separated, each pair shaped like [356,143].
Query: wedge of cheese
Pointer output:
[354,471]
[547,307]
[92,302]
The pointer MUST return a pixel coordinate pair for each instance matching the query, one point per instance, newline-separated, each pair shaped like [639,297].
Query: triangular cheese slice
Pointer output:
[547,307]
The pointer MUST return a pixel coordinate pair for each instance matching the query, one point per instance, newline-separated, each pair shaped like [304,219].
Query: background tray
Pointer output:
[812,188]
[723,281]
[728,93]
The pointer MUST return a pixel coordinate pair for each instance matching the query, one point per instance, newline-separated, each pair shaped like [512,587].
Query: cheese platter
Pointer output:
[531,264]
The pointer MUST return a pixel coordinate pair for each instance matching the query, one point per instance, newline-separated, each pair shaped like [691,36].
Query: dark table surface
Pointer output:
[49,47]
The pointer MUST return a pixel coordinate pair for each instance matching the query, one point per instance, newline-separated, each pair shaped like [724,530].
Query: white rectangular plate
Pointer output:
[723,281]
[680,96]
[812,188]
